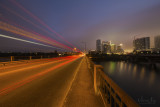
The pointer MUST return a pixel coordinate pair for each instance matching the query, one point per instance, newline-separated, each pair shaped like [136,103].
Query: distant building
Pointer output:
[113,48]
[92,52]
[106,47]
[119,49]
[157,42]
[98,46]
[141,43]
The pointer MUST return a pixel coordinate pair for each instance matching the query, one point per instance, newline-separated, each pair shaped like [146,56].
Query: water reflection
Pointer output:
[129,67]
[142,73]
[136,79]
[121,66]
[112,66]
[151,78]
[125,66]
[134,71]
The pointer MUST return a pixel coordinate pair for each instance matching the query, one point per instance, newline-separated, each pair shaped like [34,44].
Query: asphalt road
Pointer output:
[43,83]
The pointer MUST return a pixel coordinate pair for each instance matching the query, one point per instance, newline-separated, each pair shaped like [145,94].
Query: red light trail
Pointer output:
[31,78]
[40,21]
[15,30]
[46,38]
[40,37]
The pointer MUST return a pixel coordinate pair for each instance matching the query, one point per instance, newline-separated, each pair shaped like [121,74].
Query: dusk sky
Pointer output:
[79,21]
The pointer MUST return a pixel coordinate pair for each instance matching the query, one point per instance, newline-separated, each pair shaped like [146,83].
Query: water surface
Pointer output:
[140,81]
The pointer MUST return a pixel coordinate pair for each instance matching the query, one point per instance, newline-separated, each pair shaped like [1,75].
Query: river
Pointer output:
[140,81]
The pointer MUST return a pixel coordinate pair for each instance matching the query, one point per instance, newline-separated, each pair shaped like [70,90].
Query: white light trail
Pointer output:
[5,36]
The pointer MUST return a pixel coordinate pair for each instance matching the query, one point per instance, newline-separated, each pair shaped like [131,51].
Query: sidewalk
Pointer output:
[82,92]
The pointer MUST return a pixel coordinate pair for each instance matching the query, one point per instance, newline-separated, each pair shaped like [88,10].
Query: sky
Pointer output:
[77,21]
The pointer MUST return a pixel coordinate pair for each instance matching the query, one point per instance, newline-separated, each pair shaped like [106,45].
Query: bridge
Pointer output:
[69,81]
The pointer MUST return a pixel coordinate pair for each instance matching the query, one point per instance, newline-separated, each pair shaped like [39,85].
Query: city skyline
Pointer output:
[138,44]
[107,47]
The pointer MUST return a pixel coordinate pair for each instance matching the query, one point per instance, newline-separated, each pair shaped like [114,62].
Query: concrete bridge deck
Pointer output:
[56,82]
[82,92]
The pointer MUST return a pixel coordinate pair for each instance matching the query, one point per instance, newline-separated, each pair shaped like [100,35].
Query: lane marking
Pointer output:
[71,83]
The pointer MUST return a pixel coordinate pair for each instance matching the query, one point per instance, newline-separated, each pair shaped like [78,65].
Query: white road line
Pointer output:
[71,83]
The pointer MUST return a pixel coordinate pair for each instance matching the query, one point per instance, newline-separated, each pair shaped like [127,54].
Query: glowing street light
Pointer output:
[75,49]
[121,44]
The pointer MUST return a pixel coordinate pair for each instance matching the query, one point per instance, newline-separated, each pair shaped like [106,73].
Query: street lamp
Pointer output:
[84,46]
[121,44]
[75,49]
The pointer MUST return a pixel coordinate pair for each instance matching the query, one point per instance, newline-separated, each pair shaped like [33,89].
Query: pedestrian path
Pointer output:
[82,92]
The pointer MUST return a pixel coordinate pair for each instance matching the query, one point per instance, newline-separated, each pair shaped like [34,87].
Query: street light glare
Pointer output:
[121,44]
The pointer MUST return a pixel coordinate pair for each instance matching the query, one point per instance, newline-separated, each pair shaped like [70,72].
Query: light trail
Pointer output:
[10,28]
[53,41]
[41,36]
[13,29]
[40,21]
[31,78]
[25,19]
[9,37]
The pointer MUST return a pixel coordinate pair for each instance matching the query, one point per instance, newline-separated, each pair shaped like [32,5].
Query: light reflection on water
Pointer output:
[152,77]
[142,73]
[134,71]
[138,80]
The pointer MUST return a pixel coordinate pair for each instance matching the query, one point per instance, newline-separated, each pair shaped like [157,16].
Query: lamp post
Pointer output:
[84,46]
[121,44]
[75,49]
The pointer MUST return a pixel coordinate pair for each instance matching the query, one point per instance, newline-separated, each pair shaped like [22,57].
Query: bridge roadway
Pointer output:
[55,82]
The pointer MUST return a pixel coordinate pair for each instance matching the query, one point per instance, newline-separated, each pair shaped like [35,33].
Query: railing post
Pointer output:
[30,57]
[12,58]
[41,57]
[97,78]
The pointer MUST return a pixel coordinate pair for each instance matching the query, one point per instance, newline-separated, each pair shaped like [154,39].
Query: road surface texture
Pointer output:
[52,82]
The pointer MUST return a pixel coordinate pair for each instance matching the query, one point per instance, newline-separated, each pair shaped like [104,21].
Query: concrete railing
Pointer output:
[20,59]
[112,94]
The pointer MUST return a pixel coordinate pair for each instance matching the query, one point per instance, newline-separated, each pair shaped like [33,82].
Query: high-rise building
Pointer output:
[119,49]
[98,45]
[157,42]
[106,47]
[141,43]
[113,48]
